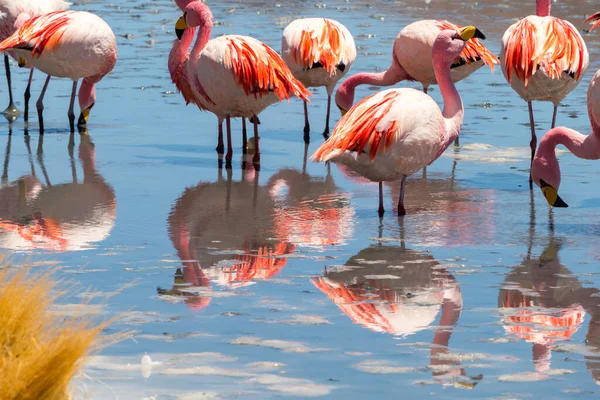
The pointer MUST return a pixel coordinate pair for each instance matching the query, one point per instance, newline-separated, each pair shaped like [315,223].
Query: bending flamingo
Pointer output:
[545,170]
[10,10]
[230,76]
[411,60]
[319,51]
[68,44]
[394,133]
[543,58]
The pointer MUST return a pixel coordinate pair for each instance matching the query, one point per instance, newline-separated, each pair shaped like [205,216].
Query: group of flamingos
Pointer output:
[386,136]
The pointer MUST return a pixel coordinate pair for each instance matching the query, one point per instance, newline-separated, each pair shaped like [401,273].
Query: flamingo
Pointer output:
[545,171]
[394,133]
[411,60]
[10,11]
[320,52]
[224,75]
[68,44]
[543,58]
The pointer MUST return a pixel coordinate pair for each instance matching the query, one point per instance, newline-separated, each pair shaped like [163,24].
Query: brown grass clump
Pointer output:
[40,351]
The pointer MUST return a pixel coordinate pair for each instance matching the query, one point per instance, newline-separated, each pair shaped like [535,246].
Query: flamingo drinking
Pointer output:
[411,60]
[394,133]
[68,44]
[319,51]
[543,58]
[10,11]
[230,76]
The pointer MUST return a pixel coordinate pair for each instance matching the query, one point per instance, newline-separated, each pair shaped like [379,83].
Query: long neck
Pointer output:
[203,38]
[542,8]
[582,146]
[453,108]
[394,74]
[179,55]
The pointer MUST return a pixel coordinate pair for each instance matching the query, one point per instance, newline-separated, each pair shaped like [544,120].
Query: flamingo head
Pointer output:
[450,43]
[545,172]
[87,99]
[195,14]
[344,97]
[594,19]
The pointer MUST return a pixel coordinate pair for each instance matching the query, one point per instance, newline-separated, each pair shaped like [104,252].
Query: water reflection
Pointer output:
[399,291]
[36,214]
[224,233]
[310,211]
[543,303]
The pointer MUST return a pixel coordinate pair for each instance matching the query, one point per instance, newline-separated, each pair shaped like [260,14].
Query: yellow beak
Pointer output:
[343,112]
[180,27]
[551,195]
[22,62]
[469,32]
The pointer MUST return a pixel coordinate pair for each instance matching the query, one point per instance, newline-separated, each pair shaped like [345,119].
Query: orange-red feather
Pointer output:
[474,50]
[259,70]
[562,50]
[360,127]
[325,47]
[40,33]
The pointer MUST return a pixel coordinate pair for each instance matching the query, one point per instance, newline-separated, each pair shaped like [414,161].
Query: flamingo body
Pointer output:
[318,51]
[413,45]
[543,58]
[67,44]
[410,126]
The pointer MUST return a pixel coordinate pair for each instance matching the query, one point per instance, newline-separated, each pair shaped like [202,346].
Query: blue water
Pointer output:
[512,281]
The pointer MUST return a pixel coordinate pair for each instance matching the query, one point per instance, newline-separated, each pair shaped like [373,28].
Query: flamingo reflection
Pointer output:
[224,233]
[399,291]
[63,217]
[310,211]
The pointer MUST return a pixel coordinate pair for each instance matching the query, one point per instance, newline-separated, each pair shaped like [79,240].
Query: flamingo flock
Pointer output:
[387,136]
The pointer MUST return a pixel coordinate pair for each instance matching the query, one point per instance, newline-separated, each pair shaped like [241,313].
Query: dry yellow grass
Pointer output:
[40,351]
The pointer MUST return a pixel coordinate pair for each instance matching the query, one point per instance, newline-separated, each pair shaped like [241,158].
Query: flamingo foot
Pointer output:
[456,142]
[326,133]
[11,112]
[380,211]
[220,148]
[401,210]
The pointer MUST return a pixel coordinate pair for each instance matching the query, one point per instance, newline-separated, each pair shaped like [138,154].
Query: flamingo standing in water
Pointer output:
[319,51]
[230,76]
[545,171]
[394,133]
[68,44]
[543,58]
[10,10]
[411,60]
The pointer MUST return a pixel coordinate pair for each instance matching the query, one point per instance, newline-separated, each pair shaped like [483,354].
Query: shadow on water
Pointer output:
[543,303]
[37,214]
[400,291]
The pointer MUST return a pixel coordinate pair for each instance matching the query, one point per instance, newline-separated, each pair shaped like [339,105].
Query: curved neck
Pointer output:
[453,108]
[582,146]
[394,74]
[179,54]
[542,8]
[203,38]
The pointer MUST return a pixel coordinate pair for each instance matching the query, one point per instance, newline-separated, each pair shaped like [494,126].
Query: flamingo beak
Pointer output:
[83,118]
[342,111]
[180,27]
[22,62]
[469,32]
[551,195]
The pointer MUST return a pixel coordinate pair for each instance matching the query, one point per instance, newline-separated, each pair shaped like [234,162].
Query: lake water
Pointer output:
[283,282]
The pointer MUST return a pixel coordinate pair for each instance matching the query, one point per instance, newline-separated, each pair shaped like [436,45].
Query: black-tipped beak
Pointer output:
[180,26]
[179,33]
[551,195]
[479,34]
[559,203]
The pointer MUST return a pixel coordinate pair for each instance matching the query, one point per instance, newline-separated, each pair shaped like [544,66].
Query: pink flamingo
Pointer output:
[230,76]
[68,44]
[543,58]
[10,10]
[411,60]
[545,171]
[392,134]
[320,52]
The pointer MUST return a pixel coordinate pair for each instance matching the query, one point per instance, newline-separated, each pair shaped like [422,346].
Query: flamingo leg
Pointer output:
[256,158]
[401,209]
[533,143]
[554,117]
[27,96]
[244,137]
[71,112]
[229,154]
[11,110]
[326,132]
[220,145]
[425,89]
[306,123]
[40,105]
[381,210]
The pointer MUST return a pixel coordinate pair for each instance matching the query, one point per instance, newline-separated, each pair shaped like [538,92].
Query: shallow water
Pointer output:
[283,282]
